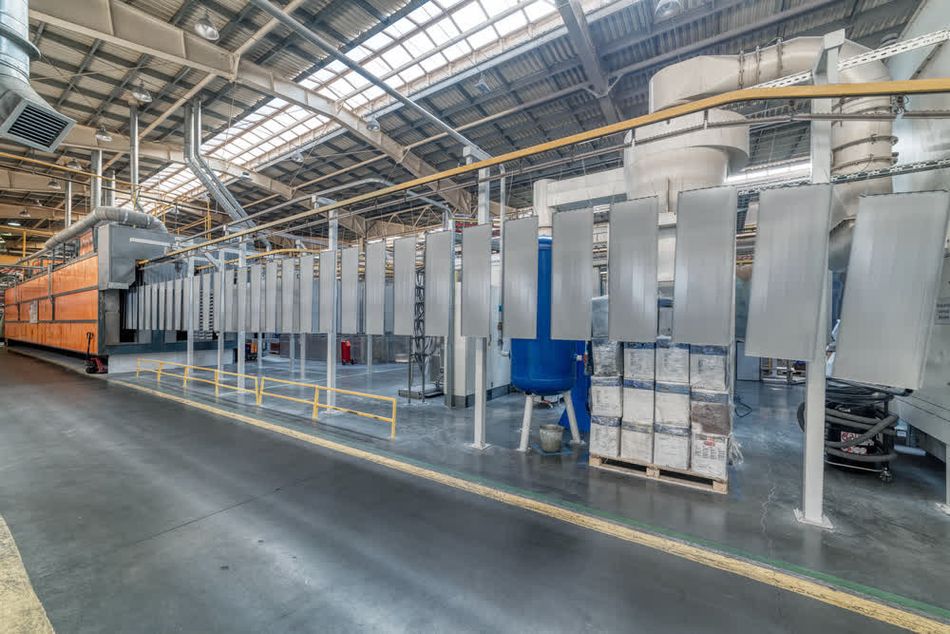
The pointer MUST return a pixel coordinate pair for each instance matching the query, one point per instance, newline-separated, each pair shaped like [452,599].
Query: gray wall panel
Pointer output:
[257,298]
[327,284]
[475,311]
[230,301]
[140,307]
[439,277]
[404,285]
[306,294]
[704,283]
[169,305]
[375,284]
[242,298]
[207,300]
[196,302]
[349,290]
[288,296]
[791,253]
[270,296]
[177,303]
[150,307]
[160,306]
[891,291]
[632,270]
[521,278]
[217,314]
[572,266]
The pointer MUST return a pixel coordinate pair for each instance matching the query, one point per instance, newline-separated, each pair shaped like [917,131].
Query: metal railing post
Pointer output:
[315,415]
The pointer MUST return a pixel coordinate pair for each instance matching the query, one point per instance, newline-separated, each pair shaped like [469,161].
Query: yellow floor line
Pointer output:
[20,609]
[763,574]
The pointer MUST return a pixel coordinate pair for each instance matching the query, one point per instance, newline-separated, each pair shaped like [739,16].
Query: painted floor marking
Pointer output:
[711,558]
[20,608]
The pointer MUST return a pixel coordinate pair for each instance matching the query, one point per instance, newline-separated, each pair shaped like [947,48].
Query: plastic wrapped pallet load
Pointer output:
[672,361]
[710,412]
[598,317]
[708,367]
[636,442]
[606,357]
[605,436]
[710,455]
[671,404]
[606,396]
[638,401]
[638,361]
[671,446]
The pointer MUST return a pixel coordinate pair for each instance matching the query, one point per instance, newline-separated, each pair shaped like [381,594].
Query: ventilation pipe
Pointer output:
[698,161]
[99,215]
[25,117]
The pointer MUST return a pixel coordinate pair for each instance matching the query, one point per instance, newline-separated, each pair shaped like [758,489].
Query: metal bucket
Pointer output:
[551,438]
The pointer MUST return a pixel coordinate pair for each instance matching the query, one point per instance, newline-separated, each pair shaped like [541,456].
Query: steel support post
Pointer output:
[481,343]
[189,290]
[813,464]
[218,306]
[241,309]
[334,230]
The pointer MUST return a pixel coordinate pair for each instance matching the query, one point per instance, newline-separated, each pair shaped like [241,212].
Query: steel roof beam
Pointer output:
[578,32]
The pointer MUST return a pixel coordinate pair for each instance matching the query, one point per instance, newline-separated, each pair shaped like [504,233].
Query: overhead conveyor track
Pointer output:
[826,91]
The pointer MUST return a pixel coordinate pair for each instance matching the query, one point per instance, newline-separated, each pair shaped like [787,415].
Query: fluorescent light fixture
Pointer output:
[206,28]
[13,223]
[141,93]
[102,134]
[786,171]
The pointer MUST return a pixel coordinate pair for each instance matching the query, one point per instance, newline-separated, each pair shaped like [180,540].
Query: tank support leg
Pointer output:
[572,419]
[526,423]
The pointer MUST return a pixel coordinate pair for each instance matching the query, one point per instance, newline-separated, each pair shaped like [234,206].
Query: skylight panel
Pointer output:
[442,31]
[378,41]
[425,13]
[469,15]
[411,73]
[433,62]
[511,23]
[400,27]
[538,10]
[418,45]
[483,37]
[457,50]
[396,56]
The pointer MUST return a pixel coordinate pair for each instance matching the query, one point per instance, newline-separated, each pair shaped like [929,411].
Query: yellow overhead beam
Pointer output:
[823,91]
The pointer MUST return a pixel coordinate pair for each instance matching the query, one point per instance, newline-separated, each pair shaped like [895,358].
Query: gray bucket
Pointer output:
[551,438]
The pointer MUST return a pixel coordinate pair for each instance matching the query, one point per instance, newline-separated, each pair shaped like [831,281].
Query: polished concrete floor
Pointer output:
[138,514]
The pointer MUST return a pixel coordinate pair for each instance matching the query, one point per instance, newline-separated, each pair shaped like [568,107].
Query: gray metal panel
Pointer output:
[521,278]
[439,277]
[632,270]
[305,319]
[154,307]
[891,291]
[572,281]
[349,290]
[149,290]
[475,311]
[404,285]
[242,299]
[177,304]
[207,295]
[217,313]
[196,302]
[254,307]
[140,307]
[791,253]
[327,284]
[169,305]
[230,300]
[288,296]
[375,275]
[704,282]
[270,296]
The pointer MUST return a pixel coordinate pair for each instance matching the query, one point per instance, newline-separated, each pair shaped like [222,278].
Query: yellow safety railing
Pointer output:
[213,376]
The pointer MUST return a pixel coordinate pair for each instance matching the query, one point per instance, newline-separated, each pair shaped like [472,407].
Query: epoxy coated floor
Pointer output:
[138,514]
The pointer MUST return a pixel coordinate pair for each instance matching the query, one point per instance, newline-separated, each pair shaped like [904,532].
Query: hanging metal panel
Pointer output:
[375,286]
[327,286]
[704,282]
[217,313]
[890,294]
[227,319]
[270,296]
[349,290]
[404,285]
[306,294]
[572,280]
[169,305]
[288,296]
[439,282]
[140,307]
[257,299]
[475,311]
[788,273]
[149,291]
[632,270]
[521,278]
[196,302]
[177,304]
[241,300]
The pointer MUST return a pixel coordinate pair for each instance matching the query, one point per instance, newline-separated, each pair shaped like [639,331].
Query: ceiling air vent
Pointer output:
[35,126]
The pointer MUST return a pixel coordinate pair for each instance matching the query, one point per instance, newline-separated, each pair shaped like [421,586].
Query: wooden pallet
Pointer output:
[682,477]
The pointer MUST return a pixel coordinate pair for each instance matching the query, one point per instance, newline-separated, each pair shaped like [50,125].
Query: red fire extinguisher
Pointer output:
[346,358]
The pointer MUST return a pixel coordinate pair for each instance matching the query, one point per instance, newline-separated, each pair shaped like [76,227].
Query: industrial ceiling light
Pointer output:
[245,175]
[74,165]
[206,28]
[482,85]
[668,9]
[141,93]
[13,223]
[54,184]
[372,123]
[24,213]
[297,156]
[102,134]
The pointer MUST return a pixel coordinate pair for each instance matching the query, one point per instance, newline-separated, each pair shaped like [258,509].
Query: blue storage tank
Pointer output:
[543,366]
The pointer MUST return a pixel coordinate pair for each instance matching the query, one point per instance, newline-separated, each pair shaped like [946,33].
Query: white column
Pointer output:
[369,354]
[813,464]
[481,343]
[218,308]
[189,291]
[241,300]
[331,336]
[303,355]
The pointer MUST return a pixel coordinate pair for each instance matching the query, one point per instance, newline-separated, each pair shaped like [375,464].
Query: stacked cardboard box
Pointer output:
[605,436]
[606,397]
[671,405]
[710,410]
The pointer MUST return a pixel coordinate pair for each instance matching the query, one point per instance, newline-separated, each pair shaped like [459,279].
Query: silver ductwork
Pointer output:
[99,215]
[25,117]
